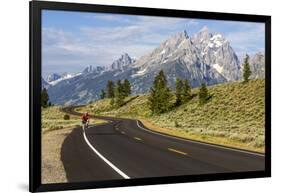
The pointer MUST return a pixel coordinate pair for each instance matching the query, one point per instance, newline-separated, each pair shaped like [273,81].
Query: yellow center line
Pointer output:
[137,138]
[177,151]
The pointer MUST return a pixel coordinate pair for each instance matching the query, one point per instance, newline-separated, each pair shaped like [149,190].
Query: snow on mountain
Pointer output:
[218,68]
[44,83]
[201,39]
[64,76]
[204,57]
[53,77]
[216,51]
[178,56]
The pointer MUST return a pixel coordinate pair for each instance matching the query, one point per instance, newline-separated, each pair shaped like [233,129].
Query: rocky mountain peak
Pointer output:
[91,69]
[88,69]
[202,36]
[204,29]
[53,77]
[204,57]
[123,61]
[183,35]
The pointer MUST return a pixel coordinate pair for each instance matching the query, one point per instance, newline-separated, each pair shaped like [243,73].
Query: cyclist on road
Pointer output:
[85,120]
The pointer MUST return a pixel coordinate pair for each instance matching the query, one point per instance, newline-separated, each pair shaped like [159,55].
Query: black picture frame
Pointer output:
[35,87]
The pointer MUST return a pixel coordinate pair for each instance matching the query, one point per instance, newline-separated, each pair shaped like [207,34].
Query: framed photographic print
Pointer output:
[125,96]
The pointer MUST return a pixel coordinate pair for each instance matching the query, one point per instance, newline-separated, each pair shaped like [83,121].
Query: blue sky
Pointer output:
[73,40]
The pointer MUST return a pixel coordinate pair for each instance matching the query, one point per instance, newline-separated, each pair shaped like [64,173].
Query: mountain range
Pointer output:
[204,57]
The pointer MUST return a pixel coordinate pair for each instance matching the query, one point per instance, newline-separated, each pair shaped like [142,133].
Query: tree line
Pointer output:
[117,92]
[160,94]
[160,98]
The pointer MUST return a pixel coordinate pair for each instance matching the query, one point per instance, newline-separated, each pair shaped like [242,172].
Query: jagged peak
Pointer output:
[123,60]
[184,34]
[204,29]
[202,35]
[125,54]
[180,35]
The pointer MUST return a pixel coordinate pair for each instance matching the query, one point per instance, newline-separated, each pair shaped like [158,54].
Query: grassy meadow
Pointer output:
[53,119]
[233,116]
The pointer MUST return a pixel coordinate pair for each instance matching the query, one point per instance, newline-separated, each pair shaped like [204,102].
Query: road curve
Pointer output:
[124,148]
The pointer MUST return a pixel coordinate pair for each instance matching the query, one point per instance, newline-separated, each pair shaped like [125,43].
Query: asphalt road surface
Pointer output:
[124,148]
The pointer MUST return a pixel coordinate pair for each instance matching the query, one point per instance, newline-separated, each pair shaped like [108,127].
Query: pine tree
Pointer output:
[203,93]
[179,92]
[112,102]
[152,100]
[119,94]
[110,89]
[126,88]
[102,94]
[160,95]
[186,91]
[246,69]
[45,98]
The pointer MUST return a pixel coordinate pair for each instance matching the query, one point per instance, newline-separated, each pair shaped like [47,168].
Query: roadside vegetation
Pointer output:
[230,114]
[56,125]
[54,119]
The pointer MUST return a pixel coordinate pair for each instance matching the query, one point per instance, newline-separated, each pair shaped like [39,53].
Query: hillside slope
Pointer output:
[234,116]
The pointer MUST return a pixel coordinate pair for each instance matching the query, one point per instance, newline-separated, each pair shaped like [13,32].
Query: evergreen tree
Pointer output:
[110,89]
[179,92]
[246,69]
[112,102]
[160,96]
[119,94]
[45,98]
[152,100]
[102,94]
[186,91]
[203,93]
[126,88]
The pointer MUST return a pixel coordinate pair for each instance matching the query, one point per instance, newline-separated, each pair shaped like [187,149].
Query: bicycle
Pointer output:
[85,125]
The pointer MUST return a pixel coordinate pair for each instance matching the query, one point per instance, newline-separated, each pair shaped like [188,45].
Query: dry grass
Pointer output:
[202,138]
[52,119]
[54,130]
[52,167]
[234,116]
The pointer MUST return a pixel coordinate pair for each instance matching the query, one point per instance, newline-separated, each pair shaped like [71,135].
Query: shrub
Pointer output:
[177,124]
[259,142]
[66,117]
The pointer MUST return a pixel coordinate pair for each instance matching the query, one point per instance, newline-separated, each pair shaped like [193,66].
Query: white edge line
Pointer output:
[104,159]
[257,154]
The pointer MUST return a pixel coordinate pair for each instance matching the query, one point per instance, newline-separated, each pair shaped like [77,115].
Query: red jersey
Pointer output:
[85,117]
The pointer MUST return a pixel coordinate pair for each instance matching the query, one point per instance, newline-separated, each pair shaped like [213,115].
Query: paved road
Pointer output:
[124,148]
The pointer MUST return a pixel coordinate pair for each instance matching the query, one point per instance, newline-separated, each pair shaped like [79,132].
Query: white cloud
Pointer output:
[95,45]
[102,45]
[247,38]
